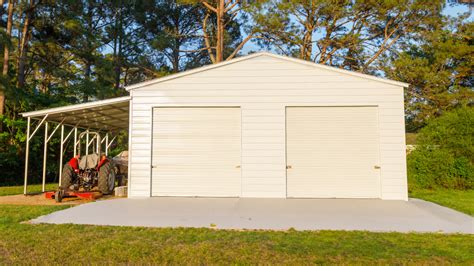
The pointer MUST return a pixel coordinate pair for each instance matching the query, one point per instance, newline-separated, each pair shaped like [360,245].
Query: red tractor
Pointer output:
[90,172]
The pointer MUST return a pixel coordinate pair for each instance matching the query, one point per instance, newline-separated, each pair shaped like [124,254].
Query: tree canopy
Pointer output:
[59,52]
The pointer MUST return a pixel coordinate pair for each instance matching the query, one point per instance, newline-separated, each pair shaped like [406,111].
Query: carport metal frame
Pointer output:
[61,114]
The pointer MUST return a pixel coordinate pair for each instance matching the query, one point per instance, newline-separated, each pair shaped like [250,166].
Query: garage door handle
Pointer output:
[289,167]
[376,167]
[154,166]
[238,166]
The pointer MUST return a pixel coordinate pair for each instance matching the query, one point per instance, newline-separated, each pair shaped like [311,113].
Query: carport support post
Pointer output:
[97,143]
[27,153]
[75,141]
[110,143]
[61,155]
[107,144]
[45,153]
[87,142]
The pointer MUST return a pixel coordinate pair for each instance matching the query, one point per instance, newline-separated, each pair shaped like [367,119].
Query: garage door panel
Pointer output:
[332,152]
[196,152]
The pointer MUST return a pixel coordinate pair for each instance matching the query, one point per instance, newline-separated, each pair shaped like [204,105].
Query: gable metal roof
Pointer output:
[247,57]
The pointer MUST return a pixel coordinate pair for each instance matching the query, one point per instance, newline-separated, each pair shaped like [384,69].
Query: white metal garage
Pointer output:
[232,129]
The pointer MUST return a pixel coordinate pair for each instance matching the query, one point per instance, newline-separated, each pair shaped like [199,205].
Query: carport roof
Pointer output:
[107,115]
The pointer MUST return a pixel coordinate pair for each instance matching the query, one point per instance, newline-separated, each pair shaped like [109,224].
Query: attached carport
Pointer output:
[106,117]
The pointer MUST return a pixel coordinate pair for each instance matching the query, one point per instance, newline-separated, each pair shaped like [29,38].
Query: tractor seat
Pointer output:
[89,161]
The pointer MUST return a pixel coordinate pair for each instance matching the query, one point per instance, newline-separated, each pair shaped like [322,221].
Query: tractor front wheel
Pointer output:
[107,178]
[58,196]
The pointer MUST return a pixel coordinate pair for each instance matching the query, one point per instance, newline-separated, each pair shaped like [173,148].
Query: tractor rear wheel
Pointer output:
[67,176]
[107,178]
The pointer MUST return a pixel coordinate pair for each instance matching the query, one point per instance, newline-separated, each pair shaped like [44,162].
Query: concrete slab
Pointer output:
[276,214]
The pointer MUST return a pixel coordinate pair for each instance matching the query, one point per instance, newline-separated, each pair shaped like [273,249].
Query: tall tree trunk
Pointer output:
[207,40]
[87,75]
[26,32]
[6,52]
[88,55]
[176,61]
[6,55]
[307,47]
[177,46]
[118,64]
[118,73]
[220,31]
[309,26]
[115,50]
[2,106]
[118,50]
[222,8]
[45,81]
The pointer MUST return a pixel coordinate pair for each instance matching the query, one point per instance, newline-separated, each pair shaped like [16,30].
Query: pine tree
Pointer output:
[440,70]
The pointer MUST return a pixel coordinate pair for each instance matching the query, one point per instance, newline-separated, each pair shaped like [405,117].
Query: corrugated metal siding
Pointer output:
[196,152]
[263,86]
[332,152]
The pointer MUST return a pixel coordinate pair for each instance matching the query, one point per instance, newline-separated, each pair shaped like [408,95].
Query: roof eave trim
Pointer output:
[75,107]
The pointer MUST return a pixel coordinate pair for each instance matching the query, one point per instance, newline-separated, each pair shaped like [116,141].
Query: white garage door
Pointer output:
[332,152]
[196,152]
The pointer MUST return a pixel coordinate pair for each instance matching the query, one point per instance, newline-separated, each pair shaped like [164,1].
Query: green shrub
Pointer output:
[453,131]
[438,168]
[444,157]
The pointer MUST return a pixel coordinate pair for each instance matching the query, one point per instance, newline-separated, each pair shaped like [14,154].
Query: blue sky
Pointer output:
[454,10]
[451,10]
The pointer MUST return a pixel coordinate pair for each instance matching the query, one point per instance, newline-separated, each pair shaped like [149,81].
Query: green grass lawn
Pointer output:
[81,244]
[15,190]
[456,199]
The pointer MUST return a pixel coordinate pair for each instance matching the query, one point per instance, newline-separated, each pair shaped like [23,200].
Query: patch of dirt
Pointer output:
[40,199]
